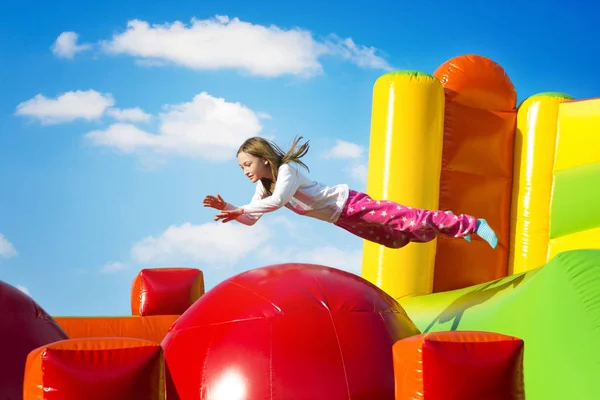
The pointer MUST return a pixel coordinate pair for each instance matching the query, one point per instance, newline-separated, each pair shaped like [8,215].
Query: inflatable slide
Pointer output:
[449,319]
[456,140]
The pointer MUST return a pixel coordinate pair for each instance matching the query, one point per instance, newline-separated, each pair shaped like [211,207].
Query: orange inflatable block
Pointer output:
[460,263]
[458,365]
[166,291]
[102,368]
[477,166]
[153,328]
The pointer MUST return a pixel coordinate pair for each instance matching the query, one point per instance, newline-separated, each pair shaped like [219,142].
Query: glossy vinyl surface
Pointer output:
[578,139]
[101,368]
[477,167]
[24,327]
[458,365]
[555,309]
[405,156]
[289,331]
[535,144]
[153,327]
[575,205]
[165,291]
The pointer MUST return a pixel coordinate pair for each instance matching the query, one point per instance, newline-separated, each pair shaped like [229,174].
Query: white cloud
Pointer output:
[67,107]
[135,114]
[332,257]
[215,244]
[329,256]
[300,246]
[7,250]
[207,126]
[224,43]
[360,55]
[23,289]
[150,162]
[222,246]
[150,63]
[66,45]
[345,150]
[88,105]
[113,267]
[125,137]
[263,115]
[359,172]
[295,229]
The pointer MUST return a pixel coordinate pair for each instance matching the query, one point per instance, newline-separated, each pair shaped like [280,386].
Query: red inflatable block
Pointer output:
[290,331]
[24,326]
[100,368]
[166,291]
[458,365]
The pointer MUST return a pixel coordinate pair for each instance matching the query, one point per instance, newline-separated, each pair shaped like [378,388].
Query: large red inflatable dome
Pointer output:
[289,331]
[24,326]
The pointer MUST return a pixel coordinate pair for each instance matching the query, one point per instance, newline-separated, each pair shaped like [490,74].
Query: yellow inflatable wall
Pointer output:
[456,140]
[535,144]
[575,207]
[405,154]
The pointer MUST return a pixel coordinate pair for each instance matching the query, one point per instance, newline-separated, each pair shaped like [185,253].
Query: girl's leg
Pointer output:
[383,222]
[394,225]
[483,230]
[352,219]
[422,225]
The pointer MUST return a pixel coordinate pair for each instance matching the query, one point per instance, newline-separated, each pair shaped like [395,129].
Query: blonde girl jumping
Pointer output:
[281,184]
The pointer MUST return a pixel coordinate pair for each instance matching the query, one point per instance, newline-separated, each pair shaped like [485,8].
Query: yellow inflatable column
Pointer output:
[535,143]
[575,207]
[405,156]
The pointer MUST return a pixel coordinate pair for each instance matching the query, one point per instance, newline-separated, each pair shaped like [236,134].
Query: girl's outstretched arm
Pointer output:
[220,204]
[286,186]
[246,219]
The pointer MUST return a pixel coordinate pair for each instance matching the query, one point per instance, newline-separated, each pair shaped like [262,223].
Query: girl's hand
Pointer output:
[228,215]
[214,202]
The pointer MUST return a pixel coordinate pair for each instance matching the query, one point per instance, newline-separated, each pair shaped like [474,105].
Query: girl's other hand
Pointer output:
[214,202]
[228,215]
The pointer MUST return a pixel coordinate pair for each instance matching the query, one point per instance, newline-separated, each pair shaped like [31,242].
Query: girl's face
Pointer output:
[254,168]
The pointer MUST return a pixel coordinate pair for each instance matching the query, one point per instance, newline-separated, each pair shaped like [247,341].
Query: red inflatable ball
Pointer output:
[289,331]
[25,327]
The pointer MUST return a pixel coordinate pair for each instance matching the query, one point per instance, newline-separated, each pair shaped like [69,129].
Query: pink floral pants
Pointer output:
[393,225]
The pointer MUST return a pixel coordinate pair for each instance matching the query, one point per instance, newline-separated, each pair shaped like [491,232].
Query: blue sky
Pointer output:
[106,152]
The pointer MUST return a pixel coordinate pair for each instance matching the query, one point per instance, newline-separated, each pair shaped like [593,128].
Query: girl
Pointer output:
[280,184]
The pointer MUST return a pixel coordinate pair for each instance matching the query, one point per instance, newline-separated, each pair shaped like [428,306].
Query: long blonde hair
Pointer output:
[264,148]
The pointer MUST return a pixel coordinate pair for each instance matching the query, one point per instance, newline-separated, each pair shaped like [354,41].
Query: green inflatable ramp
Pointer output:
[555,309]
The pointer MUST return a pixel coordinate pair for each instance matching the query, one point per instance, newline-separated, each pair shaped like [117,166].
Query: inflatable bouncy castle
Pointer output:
[448,319]
[456,140]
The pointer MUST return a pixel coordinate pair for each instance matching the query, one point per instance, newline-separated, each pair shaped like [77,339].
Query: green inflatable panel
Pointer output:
[555,309]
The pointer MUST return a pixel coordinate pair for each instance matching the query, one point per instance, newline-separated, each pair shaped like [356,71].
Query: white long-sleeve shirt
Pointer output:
[294,190]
